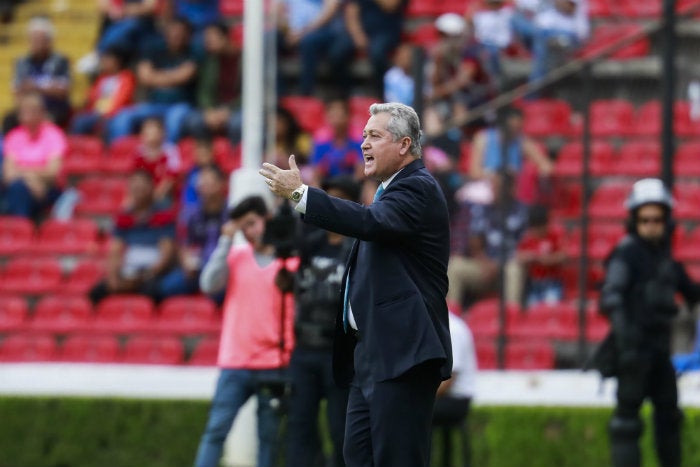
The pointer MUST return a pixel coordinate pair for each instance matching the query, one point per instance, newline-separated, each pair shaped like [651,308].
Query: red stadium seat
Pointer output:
[684,125]
[597,326]
[686,162]
[16,235]
[120,157]
[483,317]
[569,162]
[547,117]
[189,315]
[101,196]
[85,275]
[639,159]
[13,313]
[84,155]
[544,321]
[689,248]
[231,7]
[486,355]
[125,314]
[599,9]
[648,122]
[78,236]
[31,276]
[228,157]
[157,351]
[608,201]
[602,238]
[421,8]
[567,200]
[28,348]
[91,348]
[308,111]
[605,35]
[62,314]
[206,352]
[687,196]
[426,35]
[640,8]
[611,117]
[534,355]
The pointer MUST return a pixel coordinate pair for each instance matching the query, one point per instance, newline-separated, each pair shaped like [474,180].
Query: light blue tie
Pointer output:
[346,301]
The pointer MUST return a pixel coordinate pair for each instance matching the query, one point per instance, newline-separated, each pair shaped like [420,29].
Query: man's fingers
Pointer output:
[293,162]
[271,167]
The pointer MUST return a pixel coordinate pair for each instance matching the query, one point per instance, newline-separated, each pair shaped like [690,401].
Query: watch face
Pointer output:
[296,196]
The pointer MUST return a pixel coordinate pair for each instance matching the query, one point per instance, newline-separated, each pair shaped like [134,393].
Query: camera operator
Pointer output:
[256,336]
[322,264]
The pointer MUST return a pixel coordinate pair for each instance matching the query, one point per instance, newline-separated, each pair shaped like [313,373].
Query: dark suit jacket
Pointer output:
[398,274]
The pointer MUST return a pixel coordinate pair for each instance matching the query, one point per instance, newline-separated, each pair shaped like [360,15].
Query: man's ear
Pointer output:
[405,145]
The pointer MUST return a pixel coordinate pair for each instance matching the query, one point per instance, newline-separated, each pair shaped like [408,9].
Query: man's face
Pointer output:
[337,115]
[140,190]
[253,227]
[39,43]
[651,225]
[31,111]
[214,40]
[177,36]
[209,185]
[383,156]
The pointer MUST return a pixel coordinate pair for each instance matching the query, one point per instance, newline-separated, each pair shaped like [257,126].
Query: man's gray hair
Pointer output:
[404,122]
[41,24]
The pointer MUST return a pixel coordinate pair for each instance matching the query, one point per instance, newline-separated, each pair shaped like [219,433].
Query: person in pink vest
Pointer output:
[257,334]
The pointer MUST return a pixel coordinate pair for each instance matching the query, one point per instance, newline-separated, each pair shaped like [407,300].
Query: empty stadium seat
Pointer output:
[103,196]
[28,348]
[567,200]
[569,162]
[547,117]
[120,155]
[604,36]
[546,321]
[486,355]
[597,326]
[31,276]
[602,238]
[77,236]
[639,159]
[640,8]
[227,156]
[13,313]
[188,315]
[84,155]
[608,201]
[426,35]
[689,248]
[599,9]
[308,111]
[530,355]
[648,121]
[687,197]
[684,124]
[125,314]
[154,350]
[85,275]
[611,117]
[62,314]
[231,7]
[91,349]
[686,162]
[206,352]
[484,320]
[16,235]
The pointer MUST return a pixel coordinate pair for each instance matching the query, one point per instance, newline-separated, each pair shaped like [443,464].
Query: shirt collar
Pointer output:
[385,183]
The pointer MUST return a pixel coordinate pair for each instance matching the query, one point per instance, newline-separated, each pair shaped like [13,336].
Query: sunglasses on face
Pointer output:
[650,220]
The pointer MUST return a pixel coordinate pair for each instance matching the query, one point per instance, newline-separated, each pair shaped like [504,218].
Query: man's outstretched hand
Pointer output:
[282,182]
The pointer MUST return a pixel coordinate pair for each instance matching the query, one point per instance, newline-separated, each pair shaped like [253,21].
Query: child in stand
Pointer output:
[160,159]
[541,253]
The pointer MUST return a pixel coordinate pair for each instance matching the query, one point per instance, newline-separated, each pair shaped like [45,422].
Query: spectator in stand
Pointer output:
[32,157]
[160,159]
[493,34]
[340,154]
[454,395]
[487,152]
[200,13]
[455,79]
[523,19]
[202,227]
[373,27]
[43,71]
[312,27]
[127,25]
[203,157]
[560,27]
[251,358]
[541,255]
[142,250]
[479,239]
[322,262]
[398,81]
[111,92]
[168,74]
[218,88]
[289,139]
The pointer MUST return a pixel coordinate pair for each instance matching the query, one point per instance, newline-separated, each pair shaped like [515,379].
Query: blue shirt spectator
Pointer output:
[332,159]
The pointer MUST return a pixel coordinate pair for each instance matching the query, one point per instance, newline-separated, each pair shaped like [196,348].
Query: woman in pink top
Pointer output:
[32,161]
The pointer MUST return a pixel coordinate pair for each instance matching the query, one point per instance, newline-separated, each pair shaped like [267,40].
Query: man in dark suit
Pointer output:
[392,341]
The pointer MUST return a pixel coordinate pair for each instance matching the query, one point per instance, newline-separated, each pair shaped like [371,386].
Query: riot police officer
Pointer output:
[638,294]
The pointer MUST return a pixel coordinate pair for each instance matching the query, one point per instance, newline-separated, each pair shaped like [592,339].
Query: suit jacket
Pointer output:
[398,274]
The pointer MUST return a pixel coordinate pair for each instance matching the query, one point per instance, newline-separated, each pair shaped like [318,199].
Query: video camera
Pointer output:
[281,231]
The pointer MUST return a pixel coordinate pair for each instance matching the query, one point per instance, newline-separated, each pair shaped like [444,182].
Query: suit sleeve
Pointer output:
[398,212]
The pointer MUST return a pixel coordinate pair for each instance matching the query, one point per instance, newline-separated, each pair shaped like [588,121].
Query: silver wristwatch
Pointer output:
[298,194]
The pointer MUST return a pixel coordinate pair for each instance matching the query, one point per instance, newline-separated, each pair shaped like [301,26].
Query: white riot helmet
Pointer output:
[648,191]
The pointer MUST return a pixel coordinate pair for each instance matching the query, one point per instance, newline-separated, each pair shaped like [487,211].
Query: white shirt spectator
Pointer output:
[492,27]
[553,19]
[301,13]
[463,359]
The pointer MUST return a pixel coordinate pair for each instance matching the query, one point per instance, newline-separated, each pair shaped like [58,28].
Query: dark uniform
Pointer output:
[638,295]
